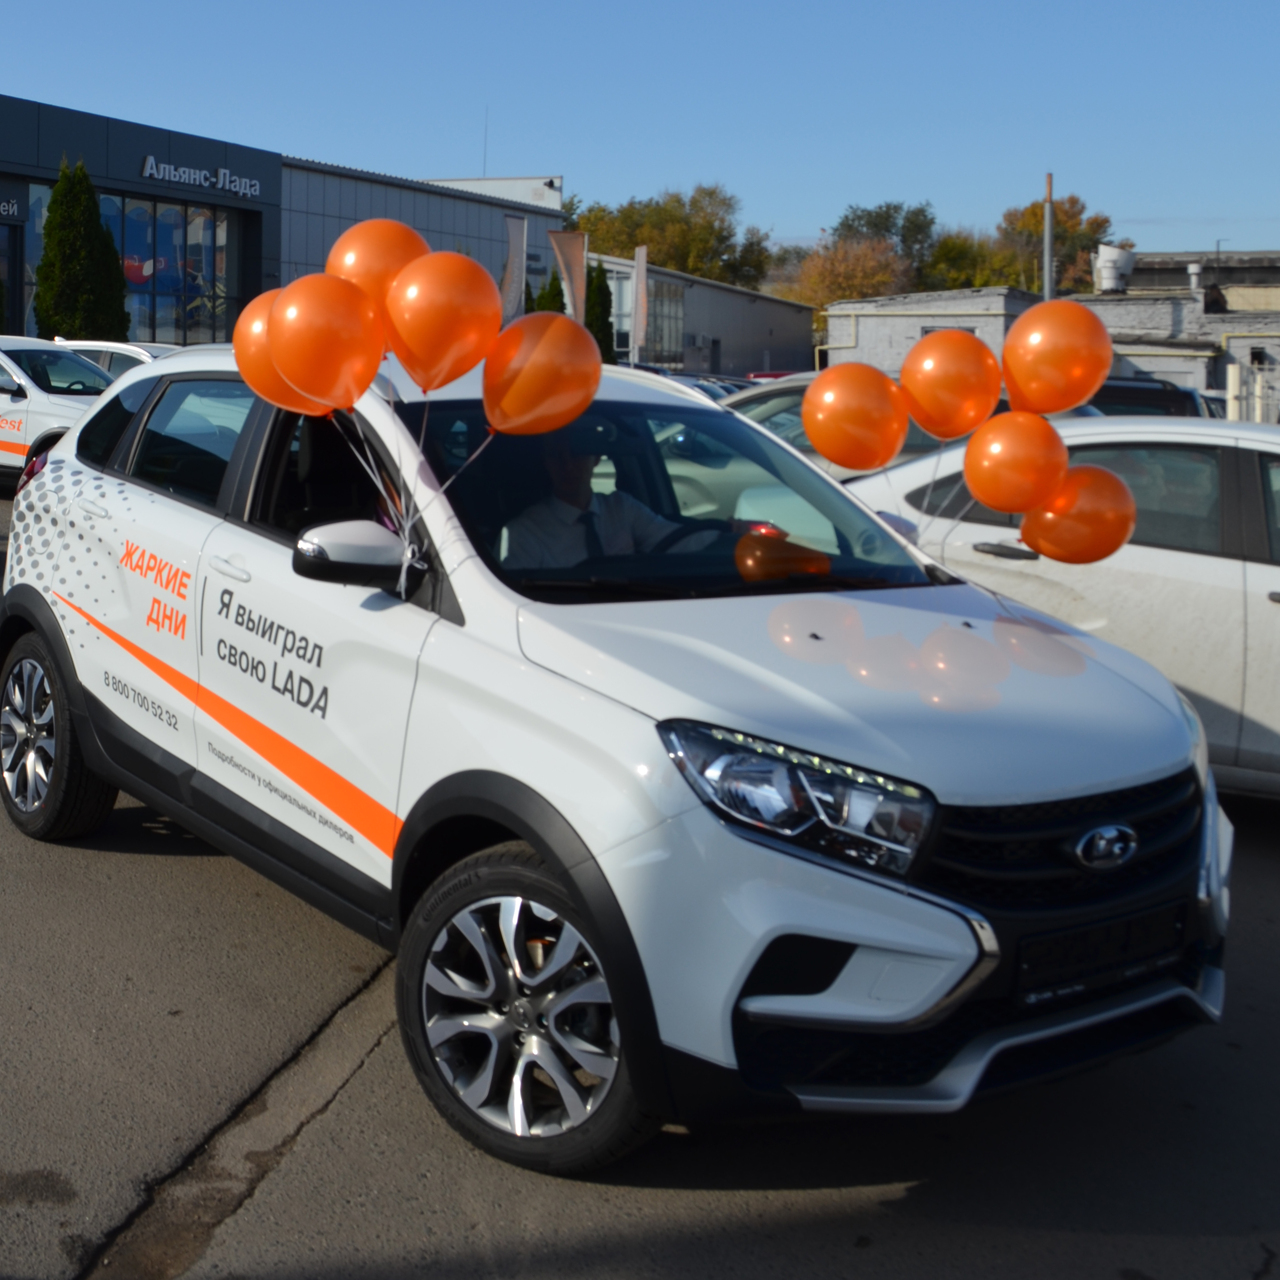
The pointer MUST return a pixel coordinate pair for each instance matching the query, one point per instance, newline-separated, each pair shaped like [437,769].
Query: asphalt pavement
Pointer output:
[201,1076]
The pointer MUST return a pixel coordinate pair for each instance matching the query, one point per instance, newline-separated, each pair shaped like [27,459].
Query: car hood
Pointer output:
[978,699]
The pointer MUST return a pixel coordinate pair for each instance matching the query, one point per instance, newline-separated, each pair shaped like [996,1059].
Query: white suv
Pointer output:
[44,390]
[656,836]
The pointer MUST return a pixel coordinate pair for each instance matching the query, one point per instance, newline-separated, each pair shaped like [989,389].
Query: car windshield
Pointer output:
[60,373]
[639,501]
[780,413]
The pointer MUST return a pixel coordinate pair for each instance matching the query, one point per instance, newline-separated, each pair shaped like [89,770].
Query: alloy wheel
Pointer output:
[519,1017]
[27,734]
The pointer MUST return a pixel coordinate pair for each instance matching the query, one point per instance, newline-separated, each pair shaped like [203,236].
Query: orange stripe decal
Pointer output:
[378,824]
[6,447]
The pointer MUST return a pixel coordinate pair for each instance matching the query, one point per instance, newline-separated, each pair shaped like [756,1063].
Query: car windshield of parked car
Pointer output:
[780,413]
[640,501]
[60,373]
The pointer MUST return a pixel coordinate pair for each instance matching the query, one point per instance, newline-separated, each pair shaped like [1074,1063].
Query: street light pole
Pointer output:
[1048,236]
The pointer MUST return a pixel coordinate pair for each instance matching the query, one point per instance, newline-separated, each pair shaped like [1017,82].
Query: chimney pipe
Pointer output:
[1193,270]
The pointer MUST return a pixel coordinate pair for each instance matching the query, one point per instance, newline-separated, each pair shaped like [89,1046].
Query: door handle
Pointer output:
[1274,597]
[229,570]
[1006,551]
[92,508]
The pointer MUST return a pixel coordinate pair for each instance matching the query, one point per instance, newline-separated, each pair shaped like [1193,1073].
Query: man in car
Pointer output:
[574,523]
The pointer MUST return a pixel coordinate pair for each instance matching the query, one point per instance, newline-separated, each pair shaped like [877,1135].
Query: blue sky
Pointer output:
[1159,114]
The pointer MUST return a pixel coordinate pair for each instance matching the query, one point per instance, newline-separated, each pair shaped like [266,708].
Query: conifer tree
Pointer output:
[530,302]
[599,317]
[79,282]
[551,295]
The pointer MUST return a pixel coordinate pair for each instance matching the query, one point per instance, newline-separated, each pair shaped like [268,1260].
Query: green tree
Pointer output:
[551,295]
[695,233]
[599,317]
[79,282]
[570,207]
[530,302]
[911,229]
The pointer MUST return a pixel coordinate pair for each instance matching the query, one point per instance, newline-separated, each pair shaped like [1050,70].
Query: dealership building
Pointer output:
[203,226]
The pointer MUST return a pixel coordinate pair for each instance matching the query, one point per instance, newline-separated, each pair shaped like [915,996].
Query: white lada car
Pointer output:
[45,389]
[653,841]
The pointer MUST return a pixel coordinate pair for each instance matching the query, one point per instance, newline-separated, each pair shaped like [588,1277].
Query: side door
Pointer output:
[305,686]
[1174,595]
[1260,728]
[14,407]
[127,574]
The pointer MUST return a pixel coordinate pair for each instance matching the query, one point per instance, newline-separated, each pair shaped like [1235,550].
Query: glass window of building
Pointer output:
[181,267]
[664,341]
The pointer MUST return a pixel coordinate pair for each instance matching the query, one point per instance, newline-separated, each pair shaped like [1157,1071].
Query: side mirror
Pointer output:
[360,553]
[10,387]
[902,526]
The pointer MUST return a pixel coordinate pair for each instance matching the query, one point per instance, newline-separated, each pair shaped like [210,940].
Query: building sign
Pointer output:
[13,200]
[215,179]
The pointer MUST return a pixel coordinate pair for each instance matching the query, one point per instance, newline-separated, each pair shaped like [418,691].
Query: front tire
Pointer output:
[47,790]
[508,1021]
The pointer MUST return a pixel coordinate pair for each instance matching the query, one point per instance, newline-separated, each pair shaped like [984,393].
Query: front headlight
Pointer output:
[1200,741]
[808,800]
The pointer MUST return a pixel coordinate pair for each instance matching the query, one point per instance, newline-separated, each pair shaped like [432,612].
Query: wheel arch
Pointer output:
[45,443]
[25,609]
[473,810]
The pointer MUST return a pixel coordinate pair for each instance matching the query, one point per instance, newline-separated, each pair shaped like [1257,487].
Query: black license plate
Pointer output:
[1056,966]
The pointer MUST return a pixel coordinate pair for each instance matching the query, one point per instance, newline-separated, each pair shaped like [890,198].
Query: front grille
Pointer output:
[1020,857]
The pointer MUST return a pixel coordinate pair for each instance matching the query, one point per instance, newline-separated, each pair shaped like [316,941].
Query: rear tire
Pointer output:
[506,1016]
[47,789]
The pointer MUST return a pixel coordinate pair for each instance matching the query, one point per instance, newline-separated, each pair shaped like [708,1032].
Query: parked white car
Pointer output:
[118,357]
[44,390]
[654,839]
[1197,590]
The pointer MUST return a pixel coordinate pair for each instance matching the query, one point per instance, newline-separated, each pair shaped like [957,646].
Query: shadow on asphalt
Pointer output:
[134,828]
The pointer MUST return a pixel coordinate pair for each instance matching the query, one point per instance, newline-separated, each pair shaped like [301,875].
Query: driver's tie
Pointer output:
[594,548]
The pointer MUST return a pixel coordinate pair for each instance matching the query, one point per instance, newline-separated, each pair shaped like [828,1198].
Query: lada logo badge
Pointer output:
[1106,847]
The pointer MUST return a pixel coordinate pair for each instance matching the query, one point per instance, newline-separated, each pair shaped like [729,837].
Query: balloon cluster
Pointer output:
[316,345]
[1056,356]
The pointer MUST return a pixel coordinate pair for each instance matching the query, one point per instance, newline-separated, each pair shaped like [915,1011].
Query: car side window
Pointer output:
[189,437]
[949,498]
[1177,489]
[311,475]
[1271,497]
[101,433]
[121,362]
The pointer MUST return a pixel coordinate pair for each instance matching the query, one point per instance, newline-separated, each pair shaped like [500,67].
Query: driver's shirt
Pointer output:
[551,535]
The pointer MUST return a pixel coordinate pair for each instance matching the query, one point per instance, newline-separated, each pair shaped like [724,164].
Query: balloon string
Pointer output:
[955,524]
[942,506]
[933,479]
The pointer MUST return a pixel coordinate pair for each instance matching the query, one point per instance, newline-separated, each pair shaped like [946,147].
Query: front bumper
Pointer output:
[921,1010]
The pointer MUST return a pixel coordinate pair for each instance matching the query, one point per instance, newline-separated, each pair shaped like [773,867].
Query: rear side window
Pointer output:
[1271,494]
[121,362]
[100,435]
[189,438]
[1177,489]
[949,498]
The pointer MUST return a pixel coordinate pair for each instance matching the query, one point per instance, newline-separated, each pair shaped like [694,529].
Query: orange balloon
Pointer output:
[951,381]
[1014,461]
[445,313]
[855,416]
[541,373]
[763,557]
[1055,357]
[325,338]
[370,255]
[1090,517]
[249,341]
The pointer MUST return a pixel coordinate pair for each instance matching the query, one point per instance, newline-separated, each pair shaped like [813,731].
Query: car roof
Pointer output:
[616,384]
[14,343]
[152,349]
